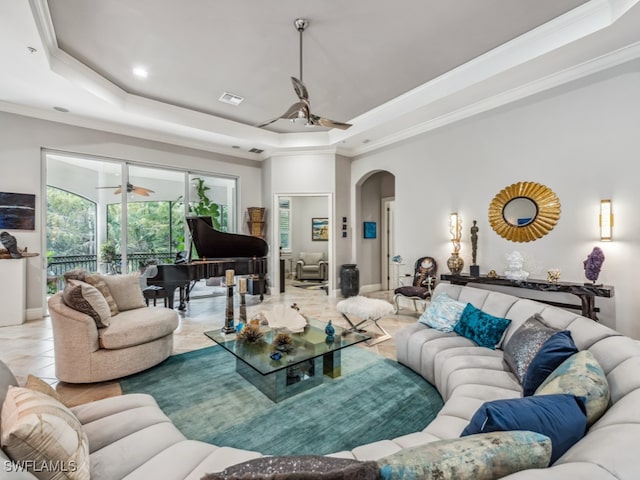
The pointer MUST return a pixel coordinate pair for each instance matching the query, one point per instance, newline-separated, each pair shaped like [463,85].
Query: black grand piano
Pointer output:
[217,252]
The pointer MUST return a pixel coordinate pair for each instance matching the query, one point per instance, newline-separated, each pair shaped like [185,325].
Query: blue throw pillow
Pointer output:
[561,417]
[442,313]
[484,329]
[554,351]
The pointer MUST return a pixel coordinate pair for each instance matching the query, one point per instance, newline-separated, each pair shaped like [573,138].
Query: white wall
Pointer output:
[581,140]
[21,141]
[303,209]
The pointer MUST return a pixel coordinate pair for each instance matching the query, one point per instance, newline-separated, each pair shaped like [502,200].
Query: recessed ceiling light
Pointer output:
[235,146]
[366,140]
[61,109]
[140,72]
[32,50]
[231,99]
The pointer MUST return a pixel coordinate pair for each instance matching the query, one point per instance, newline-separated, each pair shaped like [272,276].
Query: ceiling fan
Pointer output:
[302,108]
[131,189]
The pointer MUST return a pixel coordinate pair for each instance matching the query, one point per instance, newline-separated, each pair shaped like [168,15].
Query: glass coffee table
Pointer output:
[312,357]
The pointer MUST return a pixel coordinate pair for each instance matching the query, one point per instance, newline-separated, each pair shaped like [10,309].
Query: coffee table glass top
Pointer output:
[310,343]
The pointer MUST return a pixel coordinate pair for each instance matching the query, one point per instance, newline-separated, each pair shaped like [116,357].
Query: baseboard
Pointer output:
[371,288]
[33,314]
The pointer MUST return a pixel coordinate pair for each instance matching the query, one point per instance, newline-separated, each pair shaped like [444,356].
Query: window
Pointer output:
[284,224]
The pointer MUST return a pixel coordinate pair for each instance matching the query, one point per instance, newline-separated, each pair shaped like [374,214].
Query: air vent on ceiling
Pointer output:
[256,150]
[231,99]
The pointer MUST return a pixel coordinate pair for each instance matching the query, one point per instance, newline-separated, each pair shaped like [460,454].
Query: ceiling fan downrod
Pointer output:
[301,24]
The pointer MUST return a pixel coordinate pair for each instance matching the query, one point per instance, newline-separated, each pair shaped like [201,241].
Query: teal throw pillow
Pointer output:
[481,457]
[580,375]
[442,313]
[484,329]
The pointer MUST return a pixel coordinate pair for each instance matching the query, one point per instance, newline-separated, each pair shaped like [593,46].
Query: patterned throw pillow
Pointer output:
[525,343]
[87,299]
[97,282]
[39,385]
[442,313]
[298,467]
[126,290]
[484,329]
[480,457]
[580,375]
[38,431]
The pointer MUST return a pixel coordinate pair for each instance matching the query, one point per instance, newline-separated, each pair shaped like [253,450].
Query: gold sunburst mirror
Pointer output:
[524,211]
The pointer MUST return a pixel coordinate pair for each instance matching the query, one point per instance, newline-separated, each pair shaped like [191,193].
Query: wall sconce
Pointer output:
[455,263]
[606,220]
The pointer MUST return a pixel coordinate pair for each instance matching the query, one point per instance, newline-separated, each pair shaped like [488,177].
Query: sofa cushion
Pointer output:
[562,418]
[580,375]
[478,457]
[525,343]
[125,290]
[554,351]
[97,282]
[442,313]
[135,327]
[480,327]
[299,467]
[88,300]
[40,431]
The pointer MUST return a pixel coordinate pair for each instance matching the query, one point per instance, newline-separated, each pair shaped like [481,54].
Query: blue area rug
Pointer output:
[374,399]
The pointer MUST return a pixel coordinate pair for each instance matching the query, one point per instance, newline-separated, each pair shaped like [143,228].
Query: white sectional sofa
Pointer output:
[130,438]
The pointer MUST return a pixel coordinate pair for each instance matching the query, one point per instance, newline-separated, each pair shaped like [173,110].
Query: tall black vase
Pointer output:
[349,280]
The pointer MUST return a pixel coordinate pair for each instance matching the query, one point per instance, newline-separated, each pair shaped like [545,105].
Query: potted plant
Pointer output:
[205,207]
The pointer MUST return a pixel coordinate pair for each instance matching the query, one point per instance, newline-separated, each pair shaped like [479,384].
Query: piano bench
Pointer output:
[154,292]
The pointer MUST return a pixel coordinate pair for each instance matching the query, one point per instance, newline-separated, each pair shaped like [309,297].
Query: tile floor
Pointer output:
[28,348]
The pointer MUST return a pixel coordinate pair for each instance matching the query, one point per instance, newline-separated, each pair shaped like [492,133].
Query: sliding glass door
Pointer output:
[89,200]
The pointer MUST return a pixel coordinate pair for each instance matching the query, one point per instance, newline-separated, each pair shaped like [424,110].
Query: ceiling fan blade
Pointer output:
[325,122]
[292,112]
[301,90]
[142,191]
[117,191]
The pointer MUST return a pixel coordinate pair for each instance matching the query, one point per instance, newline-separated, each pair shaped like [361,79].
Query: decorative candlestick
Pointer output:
[228,320]
[242,285]
[229,276]
[243,308]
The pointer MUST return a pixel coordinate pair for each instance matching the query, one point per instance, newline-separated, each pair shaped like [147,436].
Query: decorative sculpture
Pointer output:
[515,270]
[474,269]
[330,331]
[593,264]
[9,242]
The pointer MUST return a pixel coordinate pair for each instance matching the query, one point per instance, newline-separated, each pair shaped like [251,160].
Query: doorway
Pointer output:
[297,218]
[389,276]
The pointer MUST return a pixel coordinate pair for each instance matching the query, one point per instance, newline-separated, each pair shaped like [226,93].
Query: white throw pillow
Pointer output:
[442,313]
[42,435]
[126,290]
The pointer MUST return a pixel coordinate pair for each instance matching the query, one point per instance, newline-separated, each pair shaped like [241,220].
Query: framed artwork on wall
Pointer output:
[320,229]
[369,229]
[17,211]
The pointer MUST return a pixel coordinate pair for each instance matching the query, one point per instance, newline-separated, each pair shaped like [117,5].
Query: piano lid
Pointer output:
[210,243]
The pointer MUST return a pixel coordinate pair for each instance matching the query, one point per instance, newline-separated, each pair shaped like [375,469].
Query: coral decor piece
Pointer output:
[593,264]
[283,342]
[250,334]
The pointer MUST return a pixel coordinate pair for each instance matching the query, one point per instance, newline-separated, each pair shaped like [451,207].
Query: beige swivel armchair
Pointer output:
[136,339]
[311,266]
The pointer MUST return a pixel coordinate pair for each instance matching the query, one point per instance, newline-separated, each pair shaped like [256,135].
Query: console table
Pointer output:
[586,292]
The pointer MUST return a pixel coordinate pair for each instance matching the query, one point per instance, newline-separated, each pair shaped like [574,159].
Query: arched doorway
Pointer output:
[375,194]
